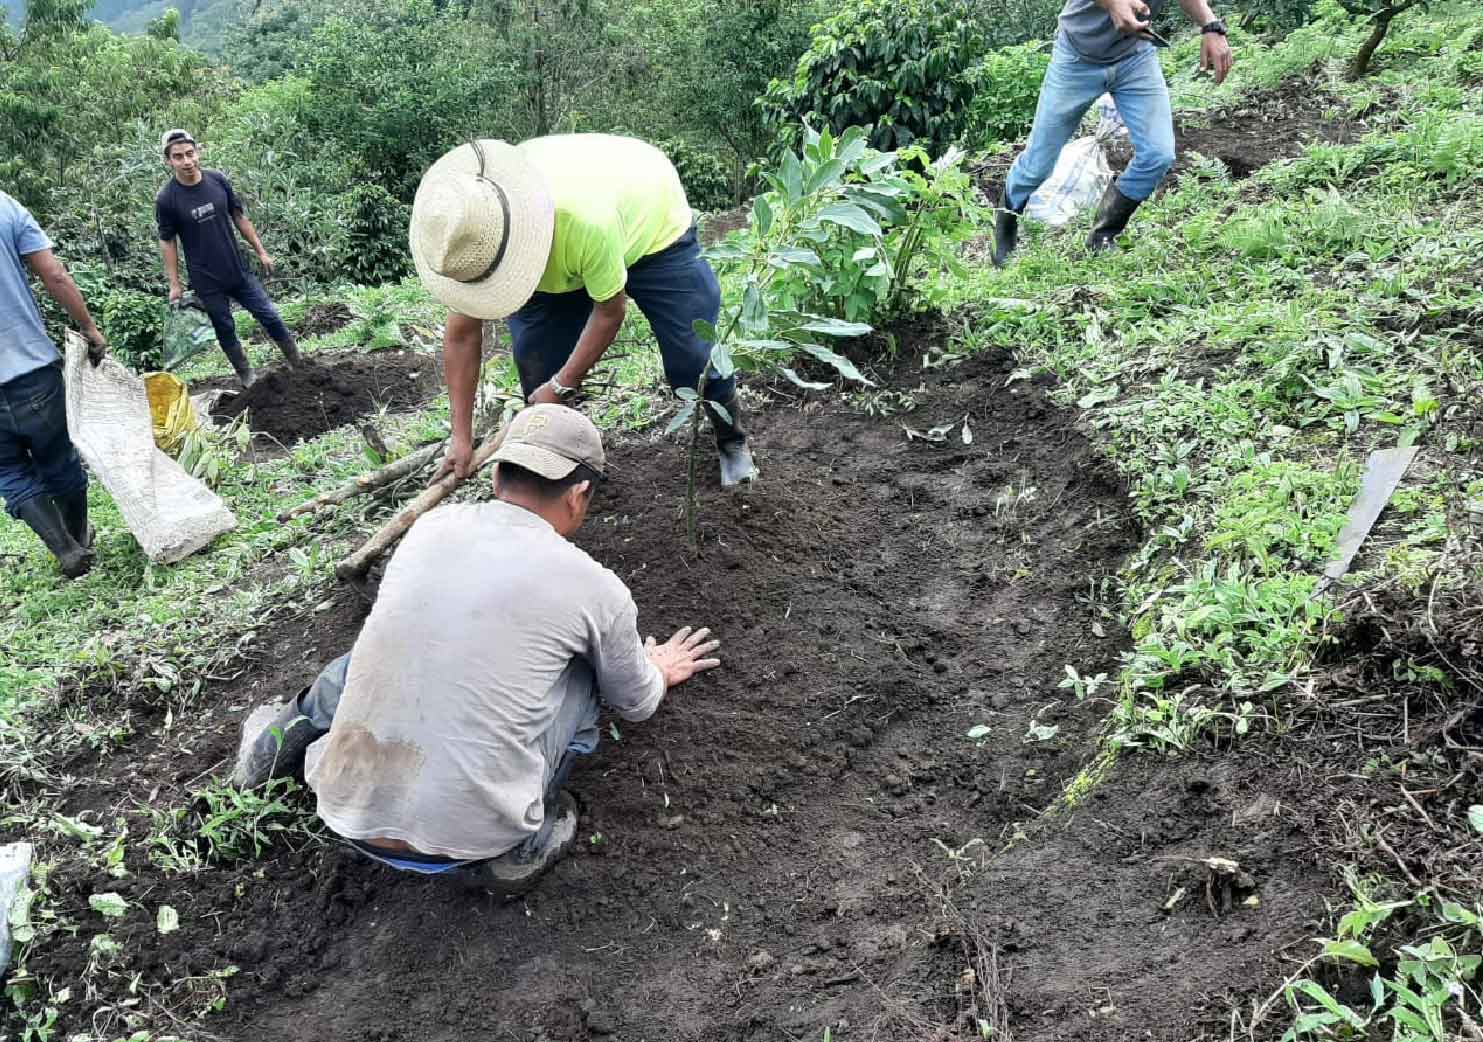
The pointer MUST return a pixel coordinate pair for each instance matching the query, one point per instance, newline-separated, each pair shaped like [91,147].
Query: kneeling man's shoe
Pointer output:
[516,872]
[274,740]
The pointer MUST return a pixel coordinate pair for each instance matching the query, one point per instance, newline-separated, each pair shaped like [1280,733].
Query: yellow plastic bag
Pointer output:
[170,410]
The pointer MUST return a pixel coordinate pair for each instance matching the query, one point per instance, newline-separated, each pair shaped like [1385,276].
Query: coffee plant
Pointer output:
[895,66]
[829,250]
[1006,88]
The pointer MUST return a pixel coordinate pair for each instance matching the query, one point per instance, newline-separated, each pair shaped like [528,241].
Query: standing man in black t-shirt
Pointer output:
[199,208]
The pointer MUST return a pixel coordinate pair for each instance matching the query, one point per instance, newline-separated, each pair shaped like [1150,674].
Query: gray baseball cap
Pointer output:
[175,137]
[552,440]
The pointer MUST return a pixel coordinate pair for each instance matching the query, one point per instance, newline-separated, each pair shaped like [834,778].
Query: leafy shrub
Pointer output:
[893,65]
[374,249]
[707,183]
[1006,87]
[1280,16]
[135,326]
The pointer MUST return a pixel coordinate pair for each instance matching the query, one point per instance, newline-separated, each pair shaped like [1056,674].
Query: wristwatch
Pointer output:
[559,390]
[1216,26]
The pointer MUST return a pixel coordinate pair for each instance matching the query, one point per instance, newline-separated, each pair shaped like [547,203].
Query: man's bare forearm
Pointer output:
[171,258]
[597,336]
[1198,11]
[65,292]
[463,337]
[249,233]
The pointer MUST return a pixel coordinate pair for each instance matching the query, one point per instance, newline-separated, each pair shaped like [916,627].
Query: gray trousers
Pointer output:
[573,733]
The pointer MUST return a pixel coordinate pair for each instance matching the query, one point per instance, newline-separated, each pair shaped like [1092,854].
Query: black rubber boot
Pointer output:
[1112,217]
[1006,230]
[737,464]
[275,747]
[74,509]
[290,348]
[45,519]
[237,355]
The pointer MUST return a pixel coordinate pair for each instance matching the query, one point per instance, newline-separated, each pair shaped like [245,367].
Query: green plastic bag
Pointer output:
[188,331]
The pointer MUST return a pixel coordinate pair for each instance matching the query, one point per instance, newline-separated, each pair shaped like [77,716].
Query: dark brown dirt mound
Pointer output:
[329,392]
[1266,126]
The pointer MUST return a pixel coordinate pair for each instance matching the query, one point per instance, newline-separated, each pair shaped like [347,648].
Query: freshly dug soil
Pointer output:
[1266,126]
[805,837]
[330,391]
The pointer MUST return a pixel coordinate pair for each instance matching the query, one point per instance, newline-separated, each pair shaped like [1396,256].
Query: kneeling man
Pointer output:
[450,728]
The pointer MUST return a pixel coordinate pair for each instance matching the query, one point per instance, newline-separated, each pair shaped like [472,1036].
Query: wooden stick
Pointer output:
[366,482]
[357,564]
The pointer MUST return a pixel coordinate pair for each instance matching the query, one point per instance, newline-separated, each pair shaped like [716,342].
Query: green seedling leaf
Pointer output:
[840,362]
[753,310]
[978,731]
[1350,951]
[1456,913]
[167,920]
[762,214]
[785,255]
[836,327]
[721,361]
[1097,396]
[810,385]
[109,905]
[848,215]
[681,418]
[1475,817]
[704,330]
[1042,732]
[76,828]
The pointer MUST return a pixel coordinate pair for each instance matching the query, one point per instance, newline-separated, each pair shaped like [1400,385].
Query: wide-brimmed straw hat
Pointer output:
[481,229]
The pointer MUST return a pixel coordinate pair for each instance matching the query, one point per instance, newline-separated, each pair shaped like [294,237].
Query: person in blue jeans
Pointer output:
[1106,47]
[557,234]
[41,476]
[198,209]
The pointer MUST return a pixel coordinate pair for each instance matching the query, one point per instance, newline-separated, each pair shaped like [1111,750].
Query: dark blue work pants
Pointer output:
[250,294]
[673,288]
[36,455]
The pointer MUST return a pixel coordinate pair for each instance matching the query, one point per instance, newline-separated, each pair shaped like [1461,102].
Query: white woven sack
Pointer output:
[1081,175]
[171,513]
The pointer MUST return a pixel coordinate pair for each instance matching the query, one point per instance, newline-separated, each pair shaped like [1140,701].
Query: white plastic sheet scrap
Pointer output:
[171,513]
[1082,172]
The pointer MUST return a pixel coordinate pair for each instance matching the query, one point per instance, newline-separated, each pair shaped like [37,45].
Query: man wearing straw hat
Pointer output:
[557,234]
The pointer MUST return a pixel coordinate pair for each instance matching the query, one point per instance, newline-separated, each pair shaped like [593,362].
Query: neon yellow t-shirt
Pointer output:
[617,200]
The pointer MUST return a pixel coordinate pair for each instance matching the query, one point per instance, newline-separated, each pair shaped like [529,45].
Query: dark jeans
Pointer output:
[673,288]
[36,455]
[250,294]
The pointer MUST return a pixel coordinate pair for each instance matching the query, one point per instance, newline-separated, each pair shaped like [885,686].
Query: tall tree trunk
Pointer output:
[1361,63]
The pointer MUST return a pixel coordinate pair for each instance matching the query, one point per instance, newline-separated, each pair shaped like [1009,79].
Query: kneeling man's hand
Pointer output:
[683,655]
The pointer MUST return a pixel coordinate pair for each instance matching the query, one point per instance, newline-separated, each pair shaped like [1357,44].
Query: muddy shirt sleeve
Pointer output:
[626,679]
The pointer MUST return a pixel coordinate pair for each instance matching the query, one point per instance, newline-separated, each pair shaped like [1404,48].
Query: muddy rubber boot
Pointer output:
[1112,217]
[274,740]
[45,519]
[1006,230]
[737,464]
[74,510]
[290,349]
[517,871]
[237,355]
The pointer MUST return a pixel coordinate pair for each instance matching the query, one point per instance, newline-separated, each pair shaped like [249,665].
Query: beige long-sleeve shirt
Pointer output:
[450,686]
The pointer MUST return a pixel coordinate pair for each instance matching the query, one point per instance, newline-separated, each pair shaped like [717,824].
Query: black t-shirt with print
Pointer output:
[200,216]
